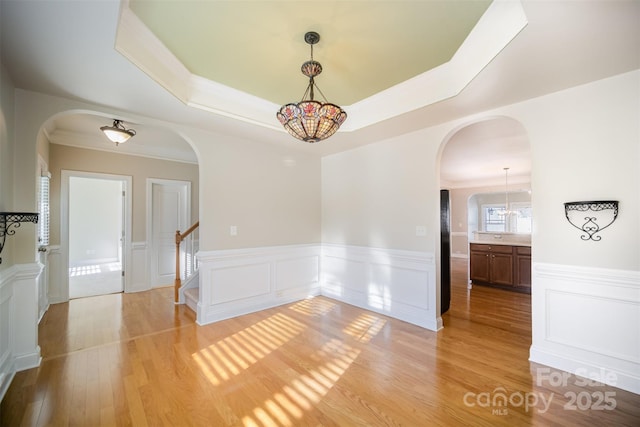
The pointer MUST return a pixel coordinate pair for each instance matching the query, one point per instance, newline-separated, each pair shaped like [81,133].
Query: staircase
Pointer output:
[187,282]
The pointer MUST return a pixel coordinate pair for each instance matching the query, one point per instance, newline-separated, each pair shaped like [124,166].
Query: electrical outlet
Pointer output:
[421,231]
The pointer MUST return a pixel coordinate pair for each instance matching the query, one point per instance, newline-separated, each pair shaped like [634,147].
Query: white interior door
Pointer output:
[170,211]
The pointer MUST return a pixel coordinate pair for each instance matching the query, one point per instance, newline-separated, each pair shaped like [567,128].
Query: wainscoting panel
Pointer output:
[7,366]
[291,273]
[249,280]
[588,320]
[240,281]
[391,282]
[19,348]
[139,269]
[339,273]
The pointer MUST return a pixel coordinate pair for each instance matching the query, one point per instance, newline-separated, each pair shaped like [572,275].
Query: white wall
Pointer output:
[585,146]
[271,194]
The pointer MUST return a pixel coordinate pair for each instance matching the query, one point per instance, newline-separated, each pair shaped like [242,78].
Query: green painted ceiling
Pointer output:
[258,46]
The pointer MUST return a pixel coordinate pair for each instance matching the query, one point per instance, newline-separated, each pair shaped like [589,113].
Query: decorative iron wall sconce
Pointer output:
[13,219]
[598,212]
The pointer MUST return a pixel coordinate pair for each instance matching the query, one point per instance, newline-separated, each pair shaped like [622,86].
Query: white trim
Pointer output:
[240,281]
[64,225]
[397,283]
[501,23]
[19,309]
[139,270]
[587,318]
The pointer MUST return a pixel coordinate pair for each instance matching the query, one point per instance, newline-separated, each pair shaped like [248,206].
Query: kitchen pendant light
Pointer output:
[310,120]
[506,211]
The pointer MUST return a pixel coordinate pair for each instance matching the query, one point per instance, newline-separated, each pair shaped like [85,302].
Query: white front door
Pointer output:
[170,212]
[95,233]
[96,236]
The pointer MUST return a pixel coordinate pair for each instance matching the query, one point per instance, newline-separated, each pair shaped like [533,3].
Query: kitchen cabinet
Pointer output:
[502,265]
[523,267]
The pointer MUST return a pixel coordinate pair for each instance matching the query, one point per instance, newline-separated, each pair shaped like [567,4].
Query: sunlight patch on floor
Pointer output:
[305,391]
[365,327]
[230,356]
[313,307]
[86,270]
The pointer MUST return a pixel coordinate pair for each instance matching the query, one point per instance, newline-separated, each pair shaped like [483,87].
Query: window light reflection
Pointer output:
[302,391]
[313,307]
[87,270]
[305,391]
[230,356]
[365,327]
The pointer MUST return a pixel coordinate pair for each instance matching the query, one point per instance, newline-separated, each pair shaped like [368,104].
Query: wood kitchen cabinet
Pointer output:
[523,267]
[502,265]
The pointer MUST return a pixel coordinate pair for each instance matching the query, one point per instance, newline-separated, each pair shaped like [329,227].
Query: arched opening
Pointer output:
[71,144]
[488,209]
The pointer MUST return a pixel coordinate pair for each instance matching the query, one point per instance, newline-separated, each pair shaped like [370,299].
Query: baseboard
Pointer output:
[5,381]
[629,381]
[28,361]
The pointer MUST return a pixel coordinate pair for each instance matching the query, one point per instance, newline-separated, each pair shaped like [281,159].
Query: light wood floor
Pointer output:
[135,359]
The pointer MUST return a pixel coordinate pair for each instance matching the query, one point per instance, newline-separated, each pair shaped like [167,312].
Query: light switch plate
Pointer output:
[233,230]
[421,231]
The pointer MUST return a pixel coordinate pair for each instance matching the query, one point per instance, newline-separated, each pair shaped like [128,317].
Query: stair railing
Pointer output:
[179,238]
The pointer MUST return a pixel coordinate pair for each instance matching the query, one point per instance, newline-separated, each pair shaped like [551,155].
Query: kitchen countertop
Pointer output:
[499,242]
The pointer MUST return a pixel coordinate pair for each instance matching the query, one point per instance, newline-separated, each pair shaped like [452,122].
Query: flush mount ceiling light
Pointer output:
[117,133]
[310,120]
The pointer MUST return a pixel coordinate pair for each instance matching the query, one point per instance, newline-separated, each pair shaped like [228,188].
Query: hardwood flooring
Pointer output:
[135,359]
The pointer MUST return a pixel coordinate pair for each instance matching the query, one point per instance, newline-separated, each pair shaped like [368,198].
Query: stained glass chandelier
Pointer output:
[310,120]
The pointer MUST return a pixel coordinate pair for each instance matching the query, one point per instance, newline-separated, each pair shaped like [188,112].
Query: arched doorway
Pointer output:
[472,176]
[71,142]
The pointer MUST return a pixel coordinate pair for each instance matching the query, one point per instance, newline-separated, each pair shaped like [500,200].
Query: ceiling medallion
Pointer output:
[310,120]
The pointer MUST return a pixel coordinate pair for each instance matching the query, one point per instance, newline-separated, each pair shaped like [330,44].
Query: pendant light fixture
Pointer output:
[310,120]
[117,133]
[506,210]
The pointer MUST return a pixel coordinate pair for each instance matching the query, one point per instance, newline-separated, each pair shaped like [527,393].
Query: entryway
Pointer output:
[96,222]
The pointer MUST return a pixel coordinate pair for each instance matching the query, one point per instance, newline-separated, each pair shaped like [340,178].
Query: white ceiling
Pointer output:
[477,154]
[66,49]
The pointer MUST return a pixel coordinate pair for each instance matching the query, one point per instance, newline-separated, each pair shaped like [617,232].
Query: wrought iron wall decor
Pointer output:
[598,212]
[13,219]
